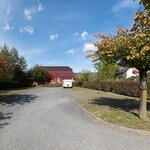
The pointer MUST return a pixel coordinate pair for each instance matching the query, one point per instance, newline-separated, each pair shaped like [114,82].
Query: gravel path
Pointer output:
[50,119]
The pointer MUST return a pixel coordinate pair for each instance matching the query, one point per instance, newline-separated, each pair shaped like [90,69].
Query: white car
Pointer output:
[67,83]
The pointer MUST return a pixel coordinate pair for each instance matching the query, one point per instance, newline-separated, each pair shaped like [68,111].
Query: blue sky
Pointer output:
[58,32]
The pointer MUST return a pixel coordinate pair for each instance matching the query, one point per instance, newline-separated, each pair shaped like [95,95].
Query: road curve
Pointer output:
[52,120]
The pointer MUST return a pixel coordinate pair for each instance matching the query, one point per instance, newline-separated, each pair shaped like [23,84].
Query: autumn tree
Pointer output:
[11,61]
[1,68]
[131,48]
[146,4]
[39,74]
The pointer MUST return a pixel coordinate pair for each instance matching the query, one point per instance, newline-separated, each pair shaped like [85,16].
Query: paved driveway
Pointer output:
[50,119]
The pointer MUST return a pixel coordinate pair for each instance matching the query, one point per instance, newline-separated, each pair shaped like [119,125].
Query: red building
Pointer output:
[59,73]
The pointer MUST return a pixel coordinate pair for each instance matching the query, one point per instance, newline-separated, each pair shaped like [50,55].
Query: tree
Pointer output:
[1,68]
[146,4]
[108,70]
[97,66]
[131,48]
[7,61]
[11,61]
[39,75]
[85,75]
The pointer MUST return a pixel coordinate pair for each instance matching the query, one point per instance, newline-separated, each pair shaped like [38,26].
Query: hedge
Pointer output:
[123,87]
[7,84]
[12,84]
[52,85]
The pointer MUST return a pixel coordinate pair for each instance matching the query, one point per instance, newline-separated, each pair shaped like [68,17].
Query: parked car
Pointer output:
[67,83]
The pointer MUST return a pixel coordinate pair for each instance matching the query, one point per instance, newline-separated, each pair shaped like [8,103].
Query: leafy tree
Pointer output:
[131,48]
[11,61]
[146,4]
[18,61]
[97,66]
[7,61]
[105,69]
[1,68]
[108,70]
[86,75]
[39,74]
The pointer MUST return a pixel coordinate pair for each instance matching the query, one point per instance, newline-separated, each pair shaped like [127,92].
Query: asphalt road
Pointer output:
[50,119]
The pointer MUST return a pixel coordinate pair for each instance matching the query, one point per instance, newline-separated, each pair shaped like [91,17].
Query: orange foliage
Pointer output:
[128,46]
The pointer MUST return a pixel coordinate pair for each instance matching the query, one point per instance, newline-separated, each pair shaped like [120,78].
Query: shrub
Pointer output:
[148,91]
[107,86]
[123,87]
[98,85]
[89,84]
[53,85]
[79,83]
[126,87]
[76,84]
[9,84]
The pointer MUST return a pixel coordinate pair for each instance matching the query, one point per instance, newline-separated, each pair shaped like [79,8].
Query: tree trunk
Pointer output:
[143,96]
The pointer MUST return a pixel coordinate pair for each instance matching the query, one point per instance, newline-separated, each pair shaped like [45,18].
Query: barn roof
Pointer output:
[57,68]
[61,71]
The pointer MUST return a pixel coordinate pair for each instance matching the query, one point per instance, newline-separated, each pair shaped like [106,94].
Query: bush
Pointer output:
[8,84]
[79,83]
[12,84]
[126,87]
[148,91]
[52,85]
[123,87]
[107,86]
[98,86]
[76,84]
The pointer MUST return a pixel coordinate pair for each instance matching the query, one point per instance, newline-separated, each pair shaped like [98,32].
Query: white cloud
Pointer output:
[53,37]
[84,35]
[7,27]
[76,34]
[30,12]
[40,7]
[71,51]
[9,9]
[88,47]
[122,4]
[27,29]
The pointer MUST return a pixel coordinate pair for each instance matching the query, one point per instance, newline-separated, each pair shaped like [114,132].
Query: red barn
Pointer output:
[59,73]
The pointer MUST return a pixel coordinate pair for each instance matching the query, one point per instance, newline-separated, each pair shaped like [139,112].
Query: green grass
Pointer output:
[127,119]
[117,109]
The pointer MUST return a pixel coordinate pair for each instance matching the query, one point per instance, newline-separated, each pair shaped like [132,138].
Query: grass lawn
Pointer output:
[117,109]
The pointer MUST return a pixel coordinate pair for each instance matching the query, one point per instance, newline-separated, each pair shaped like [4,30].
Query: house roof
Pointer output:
[60,71]
[57,68]
[121,70]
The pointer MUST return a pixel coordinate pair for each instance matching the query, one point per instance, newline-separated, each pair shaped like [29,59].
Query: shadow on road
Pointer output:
[9,101]
[4,118]
[123,104]
[13,99]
